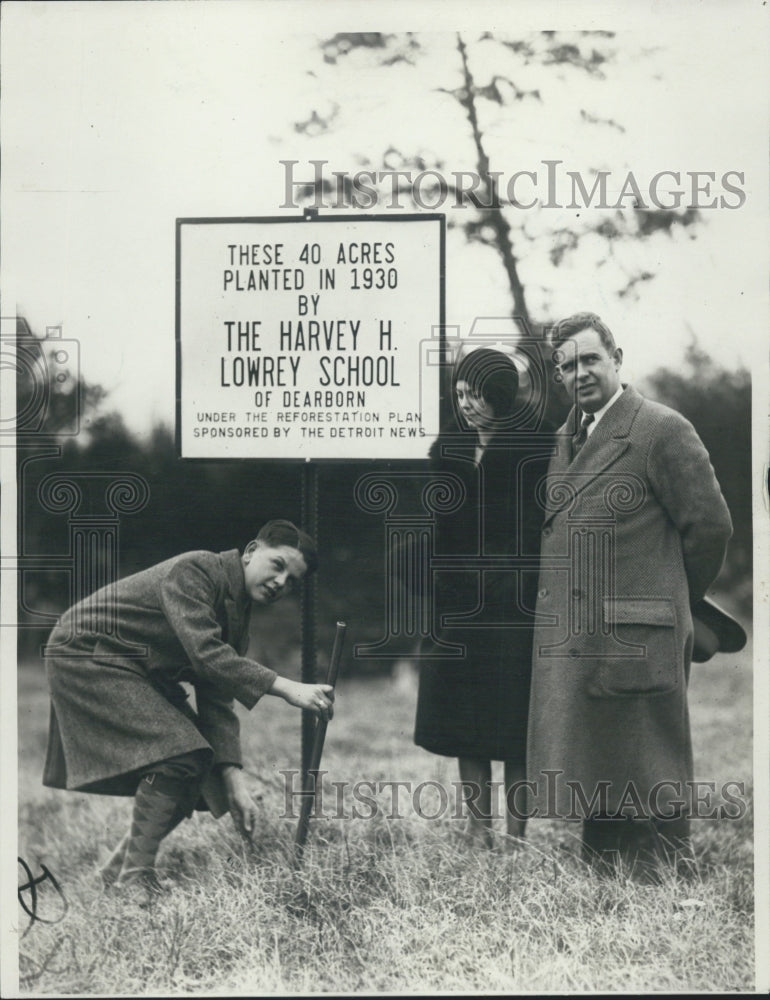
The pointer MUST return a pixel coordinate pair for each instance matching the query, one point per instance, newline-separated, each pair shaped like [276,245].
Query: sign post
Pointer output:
[305,340]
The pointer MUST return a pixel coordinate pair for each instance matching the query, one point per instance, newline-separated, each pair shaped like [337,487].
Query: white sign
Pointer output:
[309,338]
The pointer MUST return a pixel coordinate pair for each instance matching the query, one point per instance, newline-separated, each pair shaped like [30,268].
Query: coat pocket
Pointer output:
[642,656]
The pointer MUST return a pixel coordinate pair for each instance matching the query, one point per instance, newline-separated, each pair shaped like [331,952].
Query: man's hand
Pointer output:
[239,801]
[316,698]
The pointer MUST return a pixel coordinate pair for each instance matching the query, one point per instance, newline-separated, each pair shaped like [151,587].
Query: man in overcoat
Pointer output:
[120,720]
[634,533]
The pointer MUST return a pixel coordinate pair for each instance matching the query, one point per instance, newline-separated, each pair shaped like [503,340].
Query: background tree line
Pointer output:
[220,505]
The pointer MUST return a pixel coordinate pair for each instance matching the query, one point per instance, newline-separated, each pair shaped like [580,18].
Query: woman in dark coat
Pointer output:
[474,706]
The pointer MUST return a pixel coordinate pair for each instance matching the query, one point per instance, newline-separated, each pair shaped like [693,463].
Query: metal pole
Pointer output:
[308,799]
[310,525]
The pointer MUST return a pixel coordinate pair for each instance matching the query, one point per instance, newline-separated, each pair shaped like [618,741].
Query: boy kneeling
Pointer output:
[120,720]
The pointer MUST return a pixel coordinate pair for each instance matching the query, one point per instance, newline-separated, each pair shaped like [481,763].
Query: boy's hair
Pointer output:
[279,532]
[491,375]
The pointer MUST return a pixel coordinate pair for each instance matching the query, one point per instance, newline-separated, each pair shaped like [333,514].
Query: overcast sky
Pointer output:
[117,118]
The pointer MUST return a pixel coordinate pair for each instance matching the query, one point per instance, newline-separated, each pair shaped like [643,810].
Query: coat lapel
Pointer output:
[236,601]
[567,478]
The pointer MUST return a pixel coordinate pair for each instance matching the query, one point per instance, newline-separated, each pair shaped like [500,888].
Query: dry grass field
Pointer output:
[393,902]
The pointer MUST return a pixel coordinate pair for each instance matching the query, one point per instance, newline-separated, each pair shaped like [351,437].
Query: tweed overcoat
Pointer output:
[115,661]
[476,705]
[635,531]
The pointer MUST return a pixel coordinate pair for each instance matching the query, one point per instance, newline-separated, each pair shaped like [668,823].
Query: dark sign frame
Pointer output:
[310,217]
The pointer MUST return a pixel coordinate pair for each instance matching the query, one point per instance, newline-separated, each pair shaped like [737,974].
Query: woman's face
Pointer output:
[474,408]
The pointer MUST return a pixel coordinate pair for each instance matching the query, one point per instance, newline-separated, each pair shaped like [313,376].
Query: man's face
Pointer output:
[271,573]
[591,374]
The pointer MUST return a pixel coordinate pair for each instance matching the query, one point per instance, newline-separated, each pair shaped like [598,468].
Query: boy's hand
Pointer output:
[316,698]
[239,801]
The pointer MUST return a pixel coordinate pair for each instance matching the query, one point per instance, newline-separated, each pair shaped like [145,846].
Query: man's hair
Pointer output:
[278,532]
[568,327]
[491,375]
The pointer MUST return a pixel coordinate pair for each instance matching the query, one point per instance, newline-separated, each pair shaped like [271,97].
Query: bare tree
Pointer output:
[493,221]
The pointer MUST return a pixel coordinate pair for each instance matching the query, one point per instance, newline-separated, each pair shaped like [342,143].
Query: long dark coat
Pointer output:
[635,531]
[476,705]
[115,662]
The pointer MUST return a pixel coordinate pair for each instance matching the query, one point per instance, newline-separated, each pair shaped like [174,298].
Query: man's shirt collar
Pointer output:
[600,413]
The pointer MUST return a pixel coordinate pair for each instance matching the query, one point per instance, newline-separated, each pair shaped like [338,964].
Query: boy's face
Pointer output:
[271,572]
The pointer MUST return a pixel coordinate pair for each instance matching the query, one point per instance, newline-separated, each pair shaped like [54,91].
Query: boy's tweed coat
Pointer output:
[635,531]
[114,664]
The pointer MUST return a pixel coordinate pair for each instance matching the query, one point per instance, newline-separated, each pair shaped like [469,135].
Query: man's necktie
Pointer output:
[582,435]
